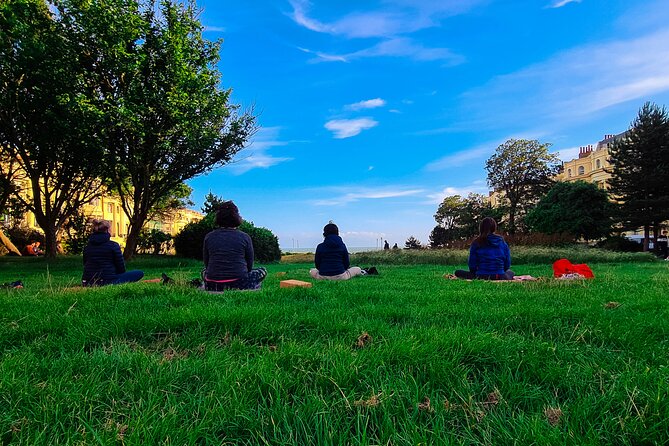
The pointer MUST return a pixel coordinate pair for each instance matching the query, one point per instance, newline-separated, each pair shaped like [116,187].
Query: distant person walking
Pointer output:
[386,245]
[395,246]
[103,261]
[489,255]
[228,254]
[331,259]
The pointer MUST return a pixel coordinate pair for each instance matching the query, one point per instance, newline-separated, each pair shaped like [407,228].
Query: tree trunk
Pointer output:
[646,237]
[656,234]
[8,243]
[512,220]
[133,237]
[51,242]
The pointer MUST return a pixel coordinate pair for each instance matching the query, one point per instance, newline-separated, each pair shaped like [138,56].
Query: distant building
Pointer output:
[591,163]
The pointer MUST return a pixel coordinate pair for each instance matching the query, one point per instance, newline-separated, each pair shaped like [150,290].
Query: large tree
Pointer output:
[640,171]
[579,208]
[169,120]
[522,170]
[50,121]
[458,218]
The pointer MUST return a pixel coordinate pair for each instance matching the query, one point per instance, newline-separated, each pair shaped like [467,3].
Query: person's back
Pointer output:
[228,254]
[103,260]
[491,257]
[331,256]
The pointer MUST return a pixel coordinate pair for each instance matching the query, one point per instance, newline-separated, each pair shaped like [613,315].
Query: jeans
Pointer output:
[126,277]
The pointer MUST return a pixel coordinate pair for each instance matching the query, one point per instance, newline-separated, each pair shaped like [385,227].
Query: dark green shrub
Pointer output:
[153,241]
[621,244]
[75,234]
[189,242]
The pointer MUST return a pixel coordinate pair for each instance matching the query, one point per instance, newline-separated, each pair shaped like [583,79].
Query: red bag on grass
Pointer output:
[564,266]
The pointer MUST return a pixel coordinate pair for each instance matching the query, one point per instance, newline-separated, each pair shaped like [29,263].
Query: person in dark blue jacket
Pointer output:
[331,259]
[489,255]
[103,260]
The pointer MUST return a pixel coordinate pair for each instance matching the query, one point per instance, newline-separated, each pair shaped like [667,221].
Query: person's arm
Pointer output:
[119,263]
[317,257]
[346,259]
[473,258]
[249,253]
[507,257]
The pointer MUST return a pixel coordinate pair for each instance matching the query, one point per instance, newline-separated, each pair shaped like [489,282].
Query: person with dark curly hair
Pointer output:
[489,255]
[228,254]
[331,259]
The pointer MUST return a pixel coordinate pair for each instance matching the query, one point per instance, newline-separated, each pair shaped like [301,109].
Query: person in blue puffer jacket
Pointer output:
[489,255]
[331,259]
[103,261]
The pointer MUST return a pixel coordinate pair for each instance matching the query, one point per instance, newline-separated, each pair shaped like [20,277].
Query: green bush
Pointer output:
[189,242]
[619,243]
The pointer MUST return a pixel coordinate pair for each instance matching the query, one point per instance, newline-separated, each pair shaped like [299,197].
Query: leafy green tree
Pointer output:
[522,170]
[440,237]
[640,171]
[50,120]
[212,203]
[413,243]
[168,118]
[458,218]
[579,208]
[155,240]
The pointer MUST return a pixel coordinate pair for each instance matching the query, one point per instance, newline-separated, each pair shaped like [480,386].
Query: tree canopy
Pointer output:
[458,218]
[579,208]
[50,119]
[640,169]
[522,170]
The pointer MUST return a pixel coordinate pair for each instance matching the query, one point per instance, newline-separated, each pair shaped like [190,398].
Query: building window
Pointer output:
[569,173]
[110,208]
[598,164]
[581,170]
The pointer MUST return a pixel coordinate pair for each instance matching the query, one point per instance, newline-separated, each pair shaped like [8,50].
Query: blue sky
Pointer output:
[371,112]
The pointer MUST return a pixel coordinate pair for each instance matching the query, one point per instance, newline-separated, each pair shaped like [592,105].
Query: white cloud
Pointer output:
[370,103]
[392,18]
[255,156]
[461,158]
[345,128]
[576,83]
[218,29]
[568,154]
[395,47]
[350,195]
[477,187]
[561,3]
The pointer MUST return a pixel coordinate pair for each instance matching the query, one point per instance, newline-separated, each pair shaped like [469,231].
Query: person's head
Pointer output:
[101,225]
[330,229]
[487,226]
[228,216]
[36,244]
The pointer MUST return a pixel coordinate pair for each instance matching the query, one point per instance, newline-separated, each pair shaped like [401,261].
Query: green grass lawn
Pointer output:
[444,362]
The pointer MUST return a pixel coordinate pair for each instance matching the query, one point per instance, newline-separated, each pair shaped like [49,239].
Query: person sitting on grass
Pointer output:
[228,254]
[103,261]
[489,255]
[332,261]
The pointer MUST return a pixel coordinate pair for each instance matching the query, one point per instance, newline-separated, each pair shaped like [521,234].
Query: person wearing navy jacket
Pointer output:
[103,260]
[489,255]
[331,259]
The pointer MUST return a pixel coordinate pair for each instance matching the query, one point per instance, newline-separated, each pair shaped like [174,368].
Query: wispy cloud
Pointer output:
[357,194]
[395,47]
[256,155]
[567,154]
[391,21]
[345,128]
[561,3]
[576,83]
[477,187]
[461,158]
[370,103]
[218,29]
